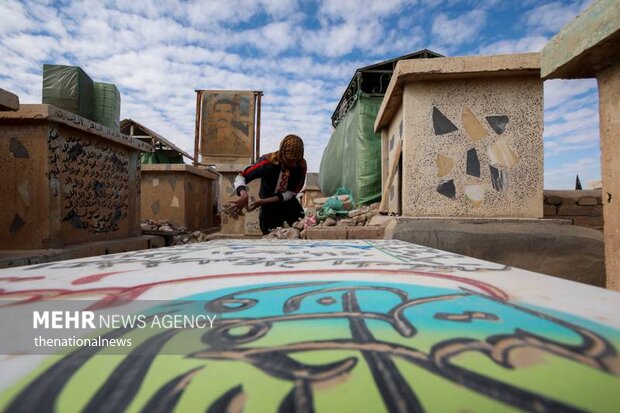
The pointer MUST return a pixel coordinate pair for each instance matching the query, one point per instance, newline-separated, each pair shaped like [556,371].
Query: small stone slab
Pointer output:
[473,164]
[499,179]
[587,200]
[444,165]
[498,123]
[475,193]
[447,188]
[472,125]
[501,155]
[17,224]
[441,123]
[17,149]
[155,207]
[8,101]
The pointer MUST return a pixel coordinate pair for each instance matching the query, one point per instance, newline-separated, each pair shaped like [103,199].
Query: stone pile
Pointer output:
[179,235]
[355,218]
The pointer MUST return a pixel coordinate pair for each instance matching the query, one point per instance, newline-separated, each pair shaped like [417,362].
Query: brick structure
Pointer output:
[583,208]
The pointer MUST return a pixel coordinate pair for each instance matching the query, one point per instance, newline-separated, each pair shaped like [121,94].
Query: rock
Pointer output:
[360,219]
[217,235]
[587,200]
[356,212]
[346,223]
[329,222]
[303,234]
[299,225]
[291,233]
[311,221]
[553,200]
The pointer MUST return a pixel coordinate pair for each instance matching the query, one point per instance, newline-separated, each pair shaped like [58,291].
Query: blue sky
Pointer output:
[300,53]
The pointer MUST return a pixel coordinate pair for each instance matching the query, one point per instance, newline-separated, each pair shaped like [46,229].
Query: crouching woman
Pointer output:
[282,174]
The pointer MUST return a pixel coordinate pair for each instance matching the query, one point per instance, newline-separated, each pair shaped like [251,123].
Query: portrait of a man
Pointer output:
[227,125]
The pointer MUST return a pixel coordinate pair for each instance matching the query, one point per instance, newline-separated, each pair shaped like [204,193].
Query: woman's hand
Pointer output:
[236,206]
[256,204]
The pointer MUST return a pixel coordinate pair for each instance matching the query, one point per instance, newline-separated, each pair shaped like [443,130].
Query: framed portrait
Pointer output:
[226,126]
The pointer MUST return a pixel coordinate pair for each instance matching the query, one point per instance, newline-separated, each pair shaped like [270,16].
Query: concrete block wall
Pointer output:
[584,208]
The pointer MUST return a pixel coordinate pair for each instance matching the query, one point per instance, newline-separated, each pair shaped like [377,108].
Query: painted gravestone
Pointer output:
[316,326]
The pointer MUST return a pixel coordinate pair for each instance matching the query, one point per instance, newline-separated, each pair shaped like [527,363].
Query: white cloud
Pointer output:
[459,30]
[273,38]
[14,18]
[204,13]
[563,176]
[523,45]
[301,54]
[571,127]
[562,91]
[361,10]
[551,17]
[278,9]
[340,39]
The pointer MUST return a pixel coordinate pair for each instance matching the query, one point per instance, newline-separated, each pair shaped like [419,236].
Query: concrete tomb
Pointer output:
[65,180]
[178,193]
[325,326]
[471,133]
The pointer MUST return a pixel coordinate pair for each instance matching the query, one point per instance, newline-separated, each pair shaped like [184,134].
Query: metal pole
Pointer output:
[197,133]
[258,101]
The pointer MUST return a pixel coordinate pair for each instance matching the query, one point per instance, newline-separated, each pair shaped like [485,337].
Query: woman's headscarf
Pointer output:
[291,152]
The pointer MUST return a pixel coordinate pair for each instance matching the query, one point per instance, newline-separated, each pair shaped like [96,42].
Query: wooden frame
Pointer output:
[229,135]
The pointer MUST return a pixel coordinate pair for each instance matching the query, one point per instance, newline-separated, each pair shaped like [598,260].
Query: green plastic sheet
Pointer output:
[352,158]
[162,157]
[107,105]
[334,207]
[69,88]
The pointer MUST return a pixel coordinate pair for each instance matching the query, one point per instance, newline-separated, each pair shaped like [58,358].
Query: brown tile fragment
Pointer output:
[474,129]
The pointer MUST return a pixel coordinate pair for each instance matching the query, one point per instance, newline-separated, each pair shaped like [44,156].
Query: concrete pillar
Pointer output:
[609,107]
[589,46]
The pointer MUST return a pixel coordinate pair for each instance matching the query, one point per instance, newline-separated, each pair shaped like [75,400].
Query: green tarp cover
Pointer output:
[107,105]
[352,158]
[69,88]
[162,157]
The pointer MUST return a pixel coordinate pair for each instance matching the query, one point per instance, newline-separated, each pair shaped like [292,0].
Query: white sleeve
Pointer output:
[288,195]
[239,182]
